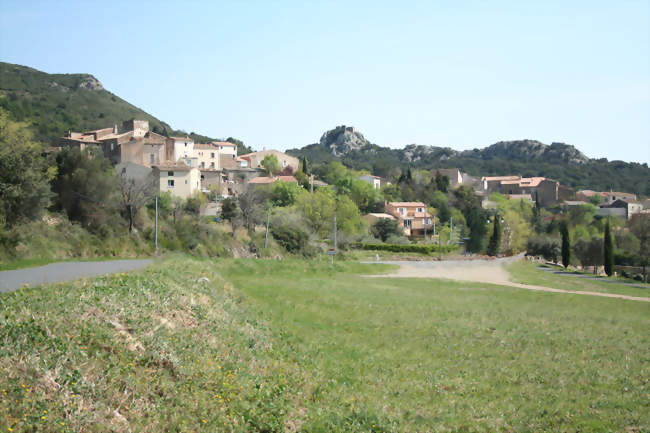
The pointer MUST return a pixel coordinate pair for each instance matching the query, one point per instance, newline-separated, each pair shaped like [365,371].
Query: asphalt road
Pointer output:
[65,271]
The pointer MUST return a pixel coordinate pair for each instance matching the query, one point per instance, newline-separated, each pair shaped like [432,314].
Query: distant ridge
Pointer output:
[527,157]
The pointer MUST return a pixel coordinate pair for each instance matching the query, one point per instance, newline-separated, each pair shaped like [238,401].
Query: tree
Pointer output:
[589,252]
[545,246]
[24,174]
[271,164]
[442,182]
[230,212]
[640,227]
[385,228]
[251,207]
[495,239]
[305,166]
[477,230]
[133,194]
[85,187]
[608,251]
[284,193]
[566,244]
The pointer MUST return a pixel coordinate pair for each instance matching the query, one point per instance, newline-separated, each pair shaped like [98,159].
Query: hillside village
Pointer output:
[184,168]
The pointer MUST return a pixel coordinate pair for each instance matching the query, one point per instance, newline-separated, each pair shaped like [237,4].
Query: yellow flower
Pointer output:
[43,417]
[62,423]
[204,421]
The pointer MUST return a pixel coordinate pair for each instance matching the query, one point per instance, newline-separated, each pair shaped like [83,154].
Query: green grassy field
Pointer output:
[297,345]
[527,273]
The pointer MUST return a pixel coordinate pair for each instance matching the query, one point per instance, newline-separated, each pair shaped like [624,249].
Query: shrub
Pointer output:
[412,248]
[545,246]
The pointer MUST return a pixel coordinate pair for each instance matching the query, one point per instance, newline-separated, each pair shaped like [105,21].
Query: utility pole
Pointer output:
[451,230]
[156,224]
[335,246]
[266,235]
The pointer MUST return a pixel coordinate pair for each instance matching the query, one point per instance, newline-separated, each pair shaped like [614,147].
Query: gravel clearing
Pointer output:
[482,270]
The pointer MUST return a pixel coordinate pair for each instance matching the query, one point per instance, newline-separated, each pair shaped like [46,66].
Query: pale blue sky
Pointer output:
[279,73]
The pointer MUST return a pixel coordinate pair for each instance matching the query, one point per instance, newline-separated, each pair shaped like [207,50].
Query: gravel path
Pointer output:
[484,271]
[65,271]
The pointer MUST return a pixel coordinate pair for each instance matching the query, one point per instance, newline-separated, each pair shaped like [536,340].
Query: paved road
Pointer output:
[64,271]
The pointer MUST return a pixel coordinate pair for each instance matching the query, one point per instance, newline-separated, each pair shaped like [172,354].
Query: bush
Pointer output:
[397,240]
[412,248]
[548,247]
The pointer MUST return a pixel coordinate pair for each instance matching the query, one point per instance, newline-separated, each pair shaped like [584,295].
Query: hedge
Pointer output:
[411,248]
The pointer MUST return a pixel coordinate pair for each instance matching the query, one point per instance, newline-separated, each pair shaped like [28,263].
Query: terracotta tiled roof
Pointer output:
[181,138]
[223,143]
[171,165]
[407,204]
[266,180]
[205,146]
[500,178]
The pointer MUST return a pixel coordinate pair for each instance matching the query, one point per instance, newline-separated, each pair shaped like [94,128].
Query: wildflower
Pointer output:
[204,421]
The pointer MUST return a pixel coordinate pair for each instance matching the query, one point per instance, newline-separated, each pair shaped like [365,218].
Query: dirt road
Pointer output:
[484,271]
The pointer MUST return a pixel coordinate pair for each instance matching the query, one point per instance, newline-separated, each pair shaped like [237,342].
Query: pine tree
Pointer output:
[566,244]
[495,239]
[608,251]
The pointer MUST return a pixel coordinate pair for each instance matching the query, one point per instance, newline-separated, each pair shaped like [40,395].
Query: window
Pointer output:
[123,170]
[401,210]
[170,183]
[212,165]
[284,163]
[185,181]
[407,223]
[170,173]
[202,164]
[212,155]
[151,158]
[420,209]
[112,146]
[185,144]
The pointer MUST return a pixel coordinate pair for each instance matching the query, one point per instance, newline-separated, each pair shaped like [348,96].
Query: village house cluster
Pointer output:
[178,164]
[416,221]
[182,167]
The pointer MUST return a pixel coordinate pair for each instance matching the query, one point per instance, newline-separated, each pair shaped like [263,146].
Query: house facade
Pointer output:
[413,217]
[179,179]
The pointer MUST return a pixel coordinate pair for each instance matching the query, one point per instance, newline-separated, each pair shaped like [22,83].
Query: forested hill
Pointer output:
[558,161]
[57,103]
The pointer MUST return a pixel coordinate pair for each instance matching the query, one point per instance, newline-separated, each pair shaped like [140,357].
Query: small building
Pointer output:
[208,156]
[413,217]
[255,159]
[177,178]
[375,181]
[453,174]
[621,208]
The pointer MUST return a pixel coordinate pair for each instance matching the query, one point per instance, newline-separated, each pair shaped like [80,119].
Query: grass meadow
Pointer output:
[297,345]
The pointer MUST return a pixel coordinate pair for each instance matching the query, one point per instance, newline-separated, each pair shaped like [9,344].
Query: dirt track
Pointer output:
[484,271]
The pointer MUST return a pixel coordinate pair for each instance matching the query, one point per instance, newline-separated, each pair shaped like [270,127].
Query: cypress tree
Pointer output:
[495,239]
[304,165]
[608,250]
[566,244]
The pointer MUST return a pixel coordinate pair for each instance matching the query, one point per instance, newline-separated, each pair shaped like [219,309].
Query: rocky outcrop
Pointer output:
[342,140]
[91,83]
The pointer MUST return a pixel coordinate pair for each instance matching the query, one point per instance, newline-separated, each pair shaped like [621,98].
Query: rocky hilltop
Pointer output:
[525,150]
[342,140]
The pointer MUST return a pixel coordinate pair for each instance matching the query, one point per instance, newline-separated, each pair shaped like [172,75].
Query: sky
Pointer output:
[277,74]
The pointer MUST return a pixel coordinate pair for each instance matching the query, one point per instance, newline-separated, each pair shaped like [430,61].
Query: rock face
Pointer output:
[342,140]
[91,83]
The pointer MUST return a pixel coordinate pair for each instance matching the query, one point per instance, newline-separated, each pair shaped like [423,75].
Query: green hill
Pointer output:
[57,103]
